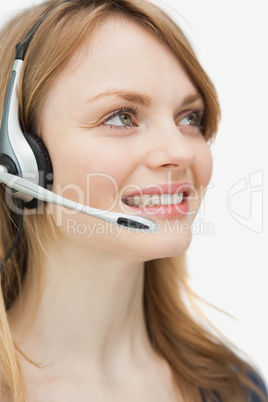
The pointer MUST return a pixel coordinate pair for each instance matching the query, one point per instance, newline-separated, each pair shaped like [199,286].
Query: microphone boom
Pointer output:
[28,188]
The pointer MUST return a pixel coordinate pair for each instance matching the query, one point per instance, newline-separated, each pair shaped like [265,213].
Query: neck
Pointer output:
[91,307]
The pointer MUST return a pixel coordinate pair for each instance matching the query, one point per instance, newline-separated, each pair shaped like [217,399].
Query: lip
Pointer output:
[163,211]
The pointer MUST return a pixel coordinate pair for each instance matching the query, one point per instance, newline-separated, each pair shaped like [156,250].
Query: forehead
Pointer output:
[121,53]
[114,33]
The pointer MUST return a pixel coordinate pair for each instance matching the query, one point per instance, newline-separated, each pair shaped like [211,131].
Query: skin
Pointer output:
[89,325]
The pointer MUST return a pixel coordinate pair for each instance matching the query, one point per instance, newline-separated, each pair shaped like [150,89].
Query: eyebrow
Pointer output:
[130,96]
[189,99]
[142,99]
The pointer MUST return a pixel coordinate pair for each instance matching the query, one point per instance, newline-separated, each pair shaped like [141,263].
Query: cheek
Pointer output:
[202,167]
[92,175]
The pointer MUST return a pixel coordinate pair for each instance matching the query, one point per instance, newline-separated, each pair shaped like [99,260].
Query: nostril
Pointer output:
[170,165]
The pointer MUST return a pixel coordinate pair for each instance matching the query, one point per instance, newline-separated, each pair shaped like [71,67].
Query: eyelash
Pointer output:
[199,115]
[133,112]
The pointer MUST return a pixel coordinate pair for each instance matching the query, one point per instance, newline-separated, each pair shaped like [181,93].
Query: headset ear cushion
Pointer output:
[43,162]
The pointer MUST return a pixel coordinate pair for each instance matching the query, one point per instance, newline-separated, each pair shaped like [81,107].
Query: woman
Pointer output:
[89,310]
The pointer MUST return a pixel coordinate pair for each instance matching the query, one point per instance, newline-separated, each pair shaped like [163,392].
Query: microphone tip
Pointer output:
[133,224]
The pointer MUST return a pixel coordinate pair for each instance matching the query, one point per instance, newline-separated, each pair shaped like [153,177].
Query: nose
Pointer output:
[169,147]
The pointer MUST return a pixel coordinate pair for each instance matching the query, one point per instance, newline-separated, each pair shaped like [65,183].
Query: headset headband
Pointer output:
[22,46]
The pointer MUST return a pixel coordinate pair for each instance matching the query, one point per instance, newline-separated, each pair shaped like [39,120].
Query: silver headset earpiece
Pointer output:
[23,154]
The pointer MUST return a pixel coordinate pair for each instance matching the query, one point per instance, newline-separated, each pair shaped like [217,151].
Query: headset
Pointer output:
[25,165]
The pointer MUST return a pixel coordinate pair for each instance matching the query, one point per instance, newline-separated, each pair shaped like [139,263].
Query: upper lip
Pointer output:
[170,188]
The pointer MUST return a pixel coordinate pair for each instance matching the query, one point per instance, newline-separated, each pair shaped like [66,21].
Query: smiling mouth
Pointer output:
[154,200]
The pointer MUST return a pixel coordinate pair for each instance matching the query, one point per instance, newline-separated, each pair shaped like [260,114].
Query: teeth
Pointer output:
[165,199]
[147,200]
[177,198]
[129,201]
[136,200]
[155,199]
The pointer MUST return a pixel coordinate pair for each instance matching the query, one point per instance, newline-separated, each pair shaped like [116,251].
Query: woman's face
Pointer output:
[122,126]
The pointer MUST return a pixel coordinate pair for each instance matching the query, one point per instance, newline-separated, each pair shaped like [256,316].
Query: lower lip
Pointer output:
[164,211]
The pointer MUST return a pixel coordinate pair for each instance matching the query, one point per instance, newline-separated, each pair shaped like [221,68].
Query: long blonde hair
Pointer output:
[202,365]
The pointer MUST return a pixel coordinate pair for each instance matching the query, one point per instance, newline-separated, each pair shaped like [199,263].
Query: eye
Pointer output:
[123,118]
[194,119]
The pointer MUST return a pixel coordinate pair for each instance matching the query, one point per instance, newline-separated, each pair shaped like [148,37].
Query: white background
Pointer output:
[228,257]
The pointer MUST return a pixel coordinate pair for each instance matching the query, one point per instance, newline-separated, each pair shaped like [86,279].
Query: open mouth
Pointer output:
[155,200]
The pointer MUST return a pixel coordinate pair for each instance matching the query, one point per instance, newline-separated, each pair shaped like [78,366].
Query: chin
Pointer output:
[164,244]
[175,248]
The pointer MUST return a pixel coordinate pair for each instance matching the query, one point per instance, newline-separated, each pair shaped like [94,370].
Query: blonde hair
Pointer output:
[200,362]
